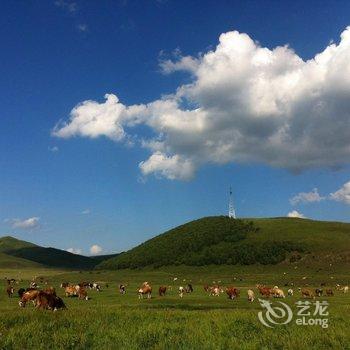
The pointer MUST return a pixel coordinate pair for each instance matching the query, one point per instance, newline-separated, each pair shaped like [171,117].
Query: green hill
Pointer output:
[33,255]
[12,262]
[221,240]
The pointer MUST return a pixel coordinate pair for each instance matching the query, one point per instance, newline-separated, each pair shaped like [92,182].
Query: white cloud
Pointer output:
[245,103]
[86,211]
[307,197]
[53,149]
[75,251]
[342,195]
[69,6]
[82,27]
[95,249]
[24,224]
[295,214]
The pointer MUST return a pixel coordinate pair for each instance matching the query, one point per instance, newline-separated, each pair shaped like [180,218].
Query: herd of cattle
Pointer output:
[48,299]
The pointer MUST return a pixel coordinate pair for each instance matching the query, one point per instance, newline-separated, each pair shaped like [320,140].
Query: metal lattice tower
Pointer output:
[231,208]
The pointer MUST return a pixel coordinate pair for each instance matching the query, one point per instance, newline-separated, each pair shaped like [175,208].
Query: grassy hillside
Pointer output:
[220,240]
[27,254]
[12,262]
[10,243]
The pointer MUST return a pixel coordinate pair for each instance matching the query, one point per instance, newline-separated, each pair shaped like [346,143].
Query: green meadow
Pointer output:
[197,321]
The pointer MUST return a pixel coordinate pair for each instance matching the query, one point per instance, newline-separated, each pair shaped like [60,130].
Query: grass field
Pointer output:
[113,321]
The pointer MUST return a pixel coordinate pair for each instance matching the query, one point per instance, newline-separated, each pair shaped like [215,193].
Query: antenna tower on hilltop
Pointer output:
[231,208]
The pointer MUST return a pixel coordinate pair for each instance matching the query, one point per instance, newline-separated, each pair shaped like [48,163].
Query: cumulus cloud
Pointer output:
[245,103]
[307,197]
[95,249]
[24,224]
[295,214]
[75,251]
[342,195]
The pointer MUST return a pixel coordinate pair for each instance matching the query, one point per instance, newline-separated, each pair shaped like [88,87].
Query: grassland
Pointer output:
[113,321]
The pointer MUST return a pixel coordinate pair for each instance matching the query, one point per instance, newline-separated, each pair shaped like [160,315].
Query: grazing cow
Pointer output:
[251,295]
[122,289]
[33,285]
[232,292]
[71,291]
[206,288]
[290,292]
[263,290]
[162,291]
[189,288]
[345,289]
[96,286]
[214,291]
[48,301]
[329,292]
[31,295]
[145,289]
[10,290]
[82,294]
[181,291]
[318,292]
[277,293]
[307,293]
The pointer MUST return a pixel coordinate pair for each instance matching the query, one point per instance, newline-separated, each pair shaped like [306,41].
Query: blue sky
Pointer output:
[74,186]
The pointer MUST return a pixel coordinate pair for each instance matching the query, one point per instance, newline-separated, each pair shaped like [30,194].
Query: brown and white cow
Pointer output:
[307,293]
[145,289]
[30,295]
[49,301]
[263,290]
[232,292]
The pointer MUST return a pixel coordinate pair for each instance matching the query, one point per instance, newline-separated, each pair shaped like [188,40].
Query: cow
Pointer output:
[162,291]
[145,289]
[277,292]
[10,290]
[251,295]
[345,289]
[181,291]
[307,293]
[206,288]
[290,292]
[189,288]
[329,292]
[64,284]
[71,291]
[49,301]
[82,294]
[30,295]
[232,292]
[122,289]
[319,292]
[214,291]
[96,286]
[263,290]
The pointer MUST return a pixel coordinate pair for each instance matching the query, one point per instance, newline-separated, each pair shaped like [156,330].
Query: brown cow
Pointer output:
[10,290]
[31,295]
[263,290]
[329,292]
[145,289]
[48,301]
[232,292]
[82,294]
[307,293]
[206,288]
[71,291]
[162,291]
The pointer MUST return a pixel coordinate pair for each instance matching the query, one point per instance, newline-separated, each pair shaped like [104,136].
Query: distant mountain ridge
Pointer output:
[18,253]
